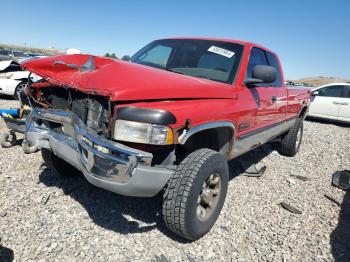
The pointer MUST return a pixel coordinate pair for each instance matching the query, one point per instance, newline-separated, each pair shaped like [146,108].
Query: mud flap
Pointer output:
[252,170]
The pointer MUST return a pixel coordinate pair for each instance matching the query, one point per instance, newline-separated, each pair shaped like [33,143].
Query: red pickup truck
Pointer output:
[165,121]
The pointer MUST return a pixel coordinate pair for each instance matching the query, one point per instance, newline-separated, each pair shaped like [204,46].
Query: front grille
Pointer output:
[80,106]
[91,109]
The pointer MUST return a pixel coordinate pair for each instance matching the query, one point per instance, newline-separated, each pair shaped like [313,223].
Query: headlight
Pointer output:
[144,133]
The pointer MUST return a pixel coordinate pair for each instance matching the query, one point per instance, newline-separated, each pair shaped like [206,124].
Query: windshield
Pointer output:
[213,60]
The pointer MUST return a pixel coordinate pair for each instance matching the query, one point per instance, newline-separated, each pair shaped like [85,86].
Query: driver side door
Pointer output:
[264,95]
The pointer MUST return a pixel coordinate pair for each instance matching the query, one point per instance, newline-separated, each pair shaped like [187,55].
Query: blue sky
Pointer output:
[311,37]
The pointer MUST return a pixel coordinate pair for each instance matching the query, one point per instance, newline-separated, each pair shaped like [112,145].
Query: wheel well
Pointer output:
[219,139]
[22,79]
[302,113]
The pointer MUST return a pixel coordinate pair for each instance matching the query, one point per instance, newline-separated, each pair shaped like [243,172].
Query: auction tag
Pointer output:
[221,51]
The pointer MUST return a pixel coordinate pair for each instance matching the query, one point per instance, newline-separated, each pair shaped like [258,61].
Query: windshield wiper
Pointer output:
[213,79]
[177,72]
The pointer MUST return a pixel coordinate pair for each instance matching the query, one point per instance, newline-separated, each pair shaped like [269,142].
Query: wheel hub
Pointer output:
[208,197]
[298,140]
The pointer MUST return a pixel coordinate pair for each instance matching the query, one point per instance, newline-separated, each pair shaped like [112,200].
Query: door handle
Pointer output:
[336,103]
[274,99]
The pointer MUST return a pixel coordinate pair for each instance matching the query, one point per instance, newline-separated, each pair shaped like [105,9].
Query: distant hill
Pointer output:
[320,80]
[44,51]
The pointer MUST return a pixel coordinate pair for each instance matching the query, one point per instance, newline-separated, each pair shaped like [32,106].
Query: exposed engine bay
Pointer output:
[93,110]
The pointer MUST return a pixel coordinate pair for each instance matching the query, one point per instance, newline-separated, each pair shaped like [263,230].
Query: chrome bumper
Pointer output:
[104,163]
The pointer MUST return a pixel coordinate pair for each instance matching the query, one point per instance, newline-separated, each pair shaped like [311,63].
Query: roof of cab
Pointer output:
[245,43]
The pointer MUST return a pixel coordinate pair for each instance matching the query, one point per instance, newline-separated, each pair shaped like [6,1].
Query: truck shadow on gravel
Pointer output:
[6,254]
[327,122]
[340,237]
[3,97]
[122,214]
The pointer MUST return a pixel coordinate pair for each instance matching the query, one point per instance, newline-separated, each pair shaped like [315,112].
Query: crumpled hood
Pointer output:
[121,80]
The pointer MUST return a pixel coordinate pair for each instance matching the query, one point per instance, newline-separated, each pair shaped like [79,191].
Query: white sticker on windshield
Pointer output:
[221,51]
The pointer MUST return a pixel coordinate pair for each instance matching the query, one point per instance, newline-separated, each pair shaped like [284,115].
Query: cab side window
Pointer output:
[257,57]
[331,91]
[272,59]
[260,57]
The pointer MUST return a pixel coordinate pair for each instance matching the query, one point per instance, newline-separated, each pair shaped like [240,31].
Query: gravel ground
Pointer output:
[45,217]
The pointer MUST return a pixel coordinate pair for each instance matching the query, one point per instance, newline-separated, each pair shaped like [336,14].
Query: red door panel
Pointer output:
[266,106]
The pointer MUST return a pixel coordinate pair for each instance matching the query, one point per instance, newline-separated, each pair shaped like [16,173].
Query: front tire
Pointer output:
[57,165]
[290,143]
[196,193]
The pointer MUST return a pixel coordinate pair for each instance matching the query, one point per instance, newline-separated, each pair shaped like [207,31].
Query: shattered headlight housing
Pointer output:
[144,133]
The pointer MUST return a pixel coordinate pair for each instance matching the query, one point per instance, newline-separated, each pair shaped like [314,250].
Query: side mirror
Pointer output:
[126,58]
[261,74]
[315,93]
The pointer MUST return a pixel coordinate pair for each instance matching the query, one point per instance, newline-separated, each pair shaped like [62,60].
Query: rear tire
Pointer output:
[57,165]
[196,193]
[291,141]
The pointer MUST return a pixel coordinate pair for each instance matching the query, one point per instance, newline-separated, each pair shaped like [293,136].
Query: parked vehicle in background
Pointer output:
[14,55]
[169,119]
[35,55]
[297,84]
[12,78]
[6,55]
[331,102]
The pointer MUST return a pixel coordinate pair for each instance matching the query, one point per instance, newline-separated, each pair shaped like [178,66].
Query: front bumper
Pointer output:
[104,163]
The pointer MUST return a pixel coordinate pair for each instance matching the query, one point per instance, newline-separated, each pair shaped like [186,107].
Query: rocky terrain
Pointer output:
[46,217]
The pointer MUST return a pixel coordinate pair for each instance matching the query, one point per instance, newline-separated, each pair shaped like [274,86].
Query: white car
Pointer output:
[331,102]
[13,78]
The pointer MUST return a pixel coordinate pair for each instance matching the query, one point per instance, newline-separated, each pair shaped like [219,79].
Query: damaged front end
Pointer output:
[77,126]
[94,111]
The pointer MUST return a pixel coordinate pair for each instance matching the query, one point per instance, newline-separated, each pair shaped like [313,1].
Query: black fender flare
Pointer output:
[187,134]
[303,111]
[146,115]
